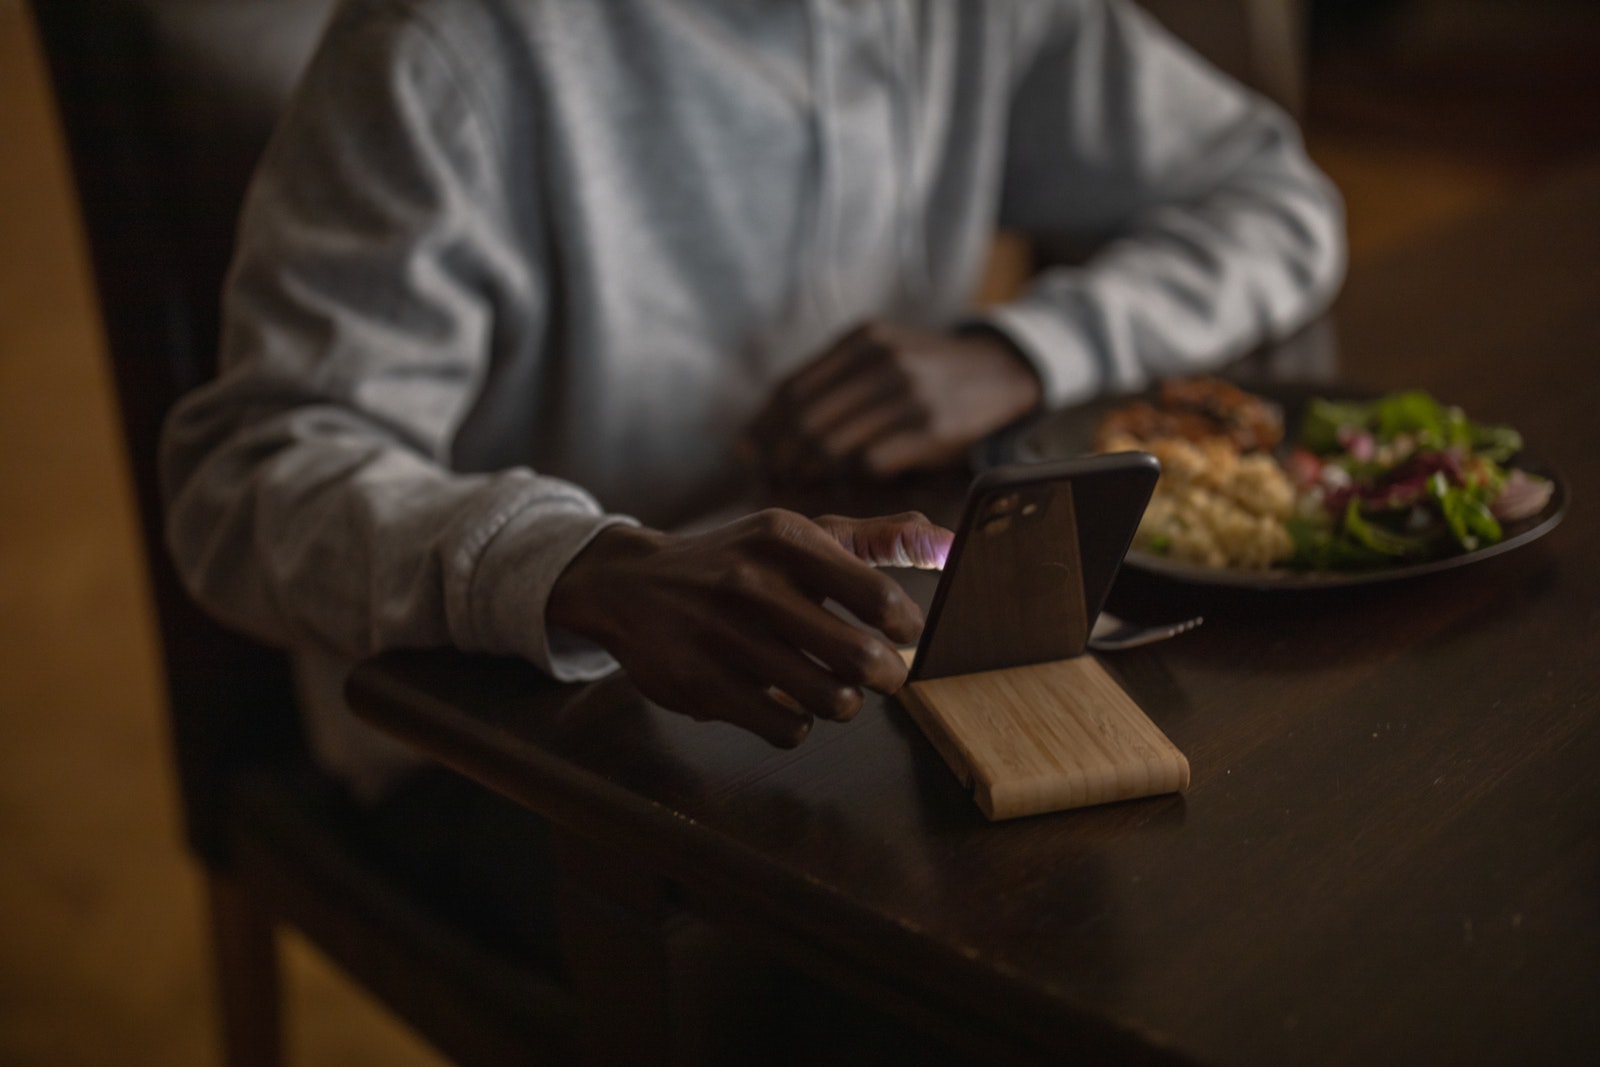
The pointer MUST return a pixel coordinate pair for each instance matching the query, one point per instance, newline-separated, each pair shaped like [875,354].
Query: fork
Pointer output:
[1112,634]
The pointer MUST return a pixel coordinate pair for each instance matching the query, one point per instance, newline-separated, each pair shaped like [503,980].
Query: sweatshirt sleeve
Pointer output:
[1216,232]
[310,492]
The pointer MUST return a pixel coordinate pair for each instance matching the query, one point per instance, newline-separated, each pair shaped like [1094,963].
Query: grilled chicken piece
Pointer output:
[1198,408]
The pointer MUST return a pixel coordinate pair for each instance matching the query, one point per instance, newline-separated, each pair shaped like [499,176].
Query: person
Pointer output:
[519,282]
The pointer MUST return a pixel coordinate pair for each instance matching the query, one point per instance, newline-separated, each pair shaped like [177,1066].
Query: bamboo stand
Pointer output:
[1028,740]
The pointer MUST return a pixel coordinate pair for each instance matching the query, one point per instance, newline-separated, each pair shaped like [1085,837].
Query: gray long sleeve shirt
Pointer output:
[513,268]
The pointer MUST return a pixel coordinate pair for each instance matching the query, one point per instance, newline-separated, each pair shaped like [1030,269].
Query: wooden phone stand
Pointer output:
[1028,740]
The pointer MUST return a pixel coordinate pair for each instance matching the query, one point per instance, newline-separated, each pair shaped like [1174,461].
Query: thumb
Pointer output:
[909,539]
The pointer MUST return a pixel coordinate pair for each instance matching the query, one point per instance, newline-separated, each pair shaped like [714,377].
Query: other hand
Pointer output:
[888,399]
[730,624]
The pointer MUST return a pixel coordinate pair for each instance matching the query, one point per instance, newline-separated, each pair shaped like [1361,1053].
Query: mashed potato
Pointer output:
[1214,506]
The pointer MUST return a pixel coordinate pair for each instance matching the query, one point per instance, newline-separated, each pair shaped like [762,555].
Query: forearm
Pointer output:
[1192,284]
[309,527]
[1216,230]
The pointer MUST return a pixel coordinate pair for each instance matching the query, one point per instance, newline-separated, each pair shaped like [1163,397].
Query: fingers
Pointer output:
[853,437]
[826,570]
[774,429]
[753,707]
[837,363]
[803,565]
[812,689]
[889,399]
[757,685]
[909,539]
[847,398]
[825,414]
[707,680]
[872,597]
[849,653]
[733,624]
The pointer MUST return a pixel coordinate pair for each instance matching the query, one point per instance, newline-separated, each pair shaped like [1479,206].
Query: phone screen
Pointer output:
[1034,558]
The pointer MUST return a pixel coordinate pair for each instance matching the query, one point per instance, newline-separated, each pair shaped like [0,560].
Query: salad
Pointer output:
[1402,479]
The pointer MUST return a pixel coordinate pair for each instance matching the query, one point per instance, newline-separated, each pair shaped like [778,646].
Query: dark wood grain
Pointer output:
[1390,849]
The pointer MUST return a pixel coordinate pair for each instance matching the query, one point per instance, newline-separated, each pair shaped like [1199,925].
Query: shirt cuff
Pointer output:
[512,587]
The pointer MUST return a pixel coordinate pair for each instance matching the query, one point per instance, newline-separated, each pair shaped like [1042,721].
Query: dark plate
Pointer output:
[1070,433]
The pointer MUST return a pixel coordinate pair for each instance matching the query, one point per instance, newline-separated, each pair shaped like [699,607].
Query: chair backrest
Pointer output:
[166,106]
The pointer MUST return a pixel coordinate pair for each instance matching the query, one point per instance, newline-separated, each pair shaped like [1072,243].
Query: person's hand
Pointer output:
[730,624]
[887,399]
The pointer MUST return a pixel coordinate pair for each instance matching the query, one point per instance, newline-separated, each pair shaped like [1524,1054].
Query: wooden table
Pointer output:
[1391,848]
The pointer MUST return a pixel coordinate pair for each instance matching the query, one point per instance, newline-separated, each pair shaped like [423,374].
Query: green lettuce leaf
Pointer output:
[1466,513]
[1416,413]
[1498,443]
[1380,538]
[1319,429]
[1318,547]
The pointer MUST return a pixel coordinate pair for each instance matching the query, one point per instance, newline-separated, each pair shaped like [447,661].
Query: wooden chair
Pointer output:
[166,105]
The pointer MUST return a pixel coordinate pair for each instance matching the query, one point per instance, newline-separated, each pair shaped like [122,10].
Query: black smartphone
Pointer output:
[1035,554]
